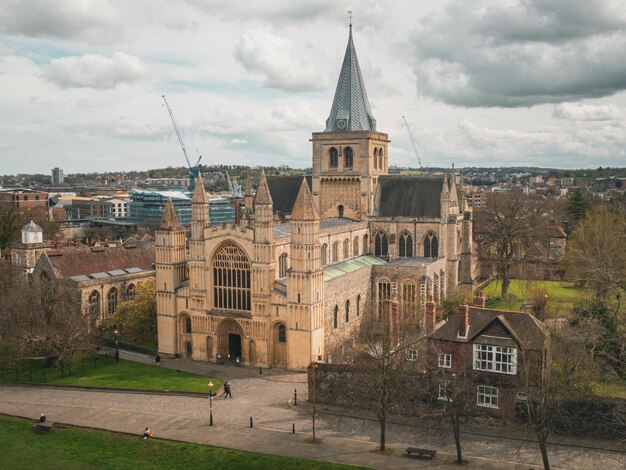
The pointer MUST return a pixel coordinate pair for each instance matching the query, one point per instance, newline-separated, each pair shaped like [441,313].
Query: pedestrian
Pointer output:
[227,390]
[147,433]
[42,418]
[157,359]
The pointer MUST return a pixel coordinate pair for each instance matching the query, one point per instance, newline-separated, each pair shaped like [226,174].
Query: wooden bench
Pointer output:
[43,427]
[411,451]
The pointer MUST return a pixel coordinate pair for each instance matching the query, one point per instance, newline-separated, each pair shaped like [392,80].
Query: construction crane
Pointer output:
[234,188]
[195,169]
[419,160]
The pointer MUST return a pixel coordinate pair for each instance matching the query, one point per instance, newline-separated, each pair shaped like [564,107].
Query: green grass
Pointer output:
[612,390]
[125,374]
[85,449]
[561,295]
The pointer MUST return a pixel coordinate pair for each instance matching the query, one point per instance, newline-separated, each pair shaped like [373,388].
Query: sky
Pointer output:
[481,83]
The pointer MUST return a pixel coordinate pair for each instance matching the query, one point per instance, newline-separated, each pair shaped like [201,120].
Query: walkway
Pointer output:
[268,399]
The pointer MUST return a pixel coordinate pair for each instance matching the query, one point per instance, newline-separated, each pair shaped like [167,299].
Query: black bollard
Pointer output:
[295,396]
[251,422]
[293,428]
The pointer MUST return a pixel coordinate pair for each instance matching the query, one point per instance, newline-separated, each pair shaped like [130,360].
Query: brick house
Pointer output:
[499,354]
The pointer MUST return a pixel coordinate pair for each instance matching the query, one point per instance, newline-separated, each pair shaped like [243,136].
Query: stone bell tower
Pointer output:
[349,155]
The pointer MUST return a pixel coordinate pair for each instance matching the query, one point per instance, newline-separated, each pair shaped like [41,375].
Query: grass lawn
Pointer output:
[561,295]
[86,449]
[125,374]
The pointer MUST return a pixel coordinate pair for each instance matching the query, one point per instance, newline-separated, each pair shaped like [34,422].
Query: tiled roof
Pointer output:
[76,261]
[351,109]
[408,196]
[527,330]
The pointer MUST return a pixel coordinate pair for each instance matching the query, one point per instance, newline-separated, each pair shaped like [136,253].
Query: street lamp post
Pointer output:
[315,366]
[211,395]
[117,347]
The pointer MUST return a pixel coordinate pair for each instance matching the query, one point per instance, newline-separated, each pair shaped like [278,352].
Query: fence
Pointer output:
[36,371]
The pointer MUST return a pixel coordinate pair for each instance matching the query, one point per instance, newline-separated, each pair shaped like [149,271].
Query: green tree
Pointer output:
[577,206]
[138,316]
[8,228]
[595,254]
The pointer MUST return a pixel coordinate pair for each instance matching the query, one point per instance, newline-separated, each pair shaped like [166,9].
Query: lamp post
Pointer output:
[211,395]
[117,347]
[315,366]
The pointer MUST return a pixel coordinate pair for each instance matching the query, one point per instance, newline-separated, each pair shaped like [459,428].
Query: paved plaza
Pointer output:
[268,399]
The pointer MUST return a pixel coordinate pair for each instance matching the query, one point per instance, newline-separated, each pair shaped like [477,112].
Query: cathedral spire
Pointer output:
[170,221]
[263,195]
[199,194]
[304,207]
[351,109]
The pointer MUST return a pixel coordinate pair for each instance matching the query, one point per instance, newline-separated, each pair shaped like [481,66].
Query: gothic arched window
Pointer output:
[282,265]
[282,333]
[188,325]
[358,305]
[348,157]
[383,294]
[376,159]
[347,311]
[333,158]
[355,247]
[94,304]
[324,254]
[130,291]
[431,245]
[409,299]
[405,249]
[346,249]
[335,313]
[366,244]
[111,301]
[335,252]
[231,278]
[381,245]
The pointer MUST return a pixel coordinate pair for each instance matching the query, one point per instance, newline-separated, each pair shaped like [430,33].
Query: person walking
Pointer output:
[157,359]
[227,390]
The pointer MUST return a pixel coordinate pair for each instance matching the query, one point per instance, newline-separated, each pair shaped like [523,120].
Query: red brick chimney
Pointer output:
[431,315]
[463,315]
[479,300]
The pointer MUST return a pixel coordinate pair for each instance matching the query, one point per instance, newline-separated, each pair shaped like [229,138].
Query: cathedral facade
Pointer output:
[316,255]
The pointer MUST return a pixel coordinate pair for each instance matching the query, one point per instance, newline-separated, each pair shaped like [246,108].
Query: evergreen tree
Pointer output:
[577,206]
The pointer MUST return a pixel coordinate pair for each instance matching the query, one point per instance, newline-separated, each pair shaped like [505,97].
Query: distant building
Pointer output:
[146,207]
[221,211]
[57,176]
[22,200]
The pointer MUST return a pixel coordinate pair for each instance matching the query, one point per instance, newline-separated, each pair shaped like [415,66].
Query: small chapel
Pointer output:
[313,256]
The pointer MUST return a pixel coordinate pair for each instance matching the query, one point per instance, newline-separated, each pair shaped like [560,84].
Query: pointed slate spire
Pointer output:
[169,221]
[199,193]
[304,207]
[351,108]
[263,195]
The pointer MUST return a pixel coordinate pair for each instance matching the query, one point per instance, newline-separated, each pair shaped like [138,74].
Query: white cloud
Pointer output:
[263,53]
[95,71]
[586,112]
[91,21]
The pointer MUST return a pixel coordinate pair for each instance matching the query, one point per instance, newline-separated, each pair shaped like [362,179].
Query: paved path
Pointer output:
[268,399]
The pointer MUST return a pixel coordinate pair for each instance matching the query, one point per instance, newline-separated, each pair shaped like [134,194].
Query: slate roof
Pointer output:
[350,102]
[525,328]
[409,196]
[284,191]
[74,261]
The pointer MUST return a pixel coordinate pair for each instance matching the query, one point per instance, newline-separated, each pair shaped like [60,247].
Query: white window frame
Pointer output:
[411,354]
[445,390]
[498,359]
[487,396]
[445,360]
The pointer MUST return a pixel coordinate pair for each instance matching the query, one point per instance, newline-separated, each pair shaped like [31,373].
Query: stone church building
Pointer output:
[314,255]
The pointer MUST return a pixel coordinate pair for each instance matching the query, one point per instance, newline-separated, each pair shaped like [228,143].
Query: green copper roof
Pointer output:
[349,266]
[351,108]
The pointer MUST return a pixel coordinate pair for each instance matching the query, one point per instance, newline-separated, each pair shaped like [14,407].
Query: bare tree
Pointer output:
[508,227]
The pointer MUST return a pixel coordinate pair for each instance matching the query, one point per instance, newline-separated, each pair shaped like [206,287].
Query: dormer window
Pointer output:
[495,359]
[348,157]
[333,157]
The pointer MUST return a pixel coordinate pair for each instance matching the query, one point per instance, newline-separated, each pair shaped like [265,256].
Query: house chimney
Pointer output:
[463,315]
[431,315]
[479,300]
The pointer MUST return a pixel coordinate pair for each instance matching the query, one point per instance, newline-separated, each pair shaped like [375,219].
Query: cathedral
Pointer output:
[314,256]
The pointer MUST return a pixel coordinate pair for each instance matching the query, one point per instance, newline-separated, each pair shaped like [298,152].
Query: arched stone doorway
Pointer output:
[188,349]
[279,345]
[230,340]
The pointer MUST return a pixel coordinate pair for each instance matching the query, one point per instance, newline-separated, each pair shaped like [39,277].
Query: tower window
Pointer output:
[348,157]
[405,249]
[333,157]
[347,311]
[381,245]
[340,210]
[431,246]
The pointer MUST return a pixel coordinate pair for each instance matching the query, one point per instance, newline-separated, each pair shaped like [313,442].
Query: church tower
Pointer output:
[197,262]
[349,155]
[171,261]
[264,259]
[305,284]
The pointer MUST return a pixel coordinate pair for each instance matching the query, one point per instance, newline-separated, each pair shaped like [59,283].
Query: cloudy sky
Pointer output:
[482,83]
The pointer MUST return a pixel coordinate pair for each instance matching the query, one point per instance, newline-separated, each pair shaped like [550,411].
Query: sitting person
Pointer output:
[147,433]
[42,418]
